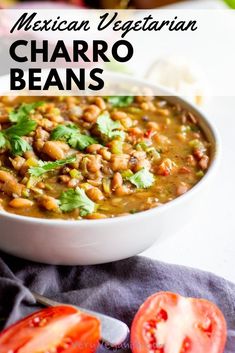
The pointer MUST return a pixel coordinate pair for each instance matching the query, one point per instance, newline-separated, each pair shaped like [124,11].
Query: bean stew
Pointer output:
[96,157]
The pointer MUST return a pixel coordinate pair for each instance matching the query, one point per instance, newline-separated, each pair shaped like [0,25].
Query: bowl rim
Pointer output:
[155,210]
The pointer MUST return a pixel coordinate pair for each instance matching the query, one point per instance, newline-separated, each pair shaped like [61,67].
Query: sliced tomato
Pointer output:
[170,323]
[60,329]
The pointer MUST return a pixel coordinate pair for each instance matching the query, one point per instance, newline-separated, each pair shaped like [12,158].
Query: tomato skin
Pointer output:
[63,328]
[197,325]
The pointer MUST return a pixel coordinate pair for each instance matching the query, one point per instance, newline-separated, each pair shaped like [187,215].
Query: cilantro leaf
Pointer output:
[120,101]
[23,127]
[19,145]
[3,141]
[108,127]
[44,167]
[63,132]
[72,199]
[72,135]
[142,179]
[80,141]
[23,111]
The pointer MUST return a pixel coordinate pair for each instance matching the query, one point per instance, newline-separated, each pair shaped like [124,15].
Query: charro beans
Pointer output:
[98,157]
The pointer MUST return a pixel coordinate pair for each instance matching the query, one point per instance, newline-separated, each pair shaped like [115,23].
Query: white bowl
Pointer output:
[89,242]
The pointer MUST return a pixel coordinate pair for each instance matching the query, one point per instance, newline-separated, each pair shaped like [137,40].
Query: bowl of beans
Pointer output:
[92,179]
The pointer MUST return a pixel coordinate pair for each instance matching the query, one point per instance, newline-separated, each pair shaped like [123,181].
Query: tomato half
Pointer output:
[60,329]
[170,323]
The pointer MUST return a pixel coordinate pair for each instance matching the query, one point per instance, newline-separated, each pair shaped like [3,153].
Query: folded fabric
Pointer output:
[116,289]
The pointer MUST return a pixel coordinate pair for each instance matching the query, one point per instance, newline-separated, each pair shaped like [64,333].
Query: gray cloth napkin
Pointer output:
[116,289]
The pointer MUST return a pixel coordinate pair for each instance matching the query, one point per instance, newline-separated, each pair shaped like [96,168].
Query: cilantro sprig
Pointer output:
[23,111]
[142,179]
[12,137]
[18,145]
[72,199]
[109,128]
[120,101]
[72,135]
[44,167]
[22,128]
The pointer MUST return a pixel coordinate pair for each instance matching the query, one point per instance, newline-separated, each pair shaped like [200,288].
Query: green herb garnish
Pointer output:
[71,134]
[44,167]
[12,137]
[142,179]
[23,111]
[19,145]
[120,101]
[72,199]
[109,128]
[22,128]
[64,132]
[3,141]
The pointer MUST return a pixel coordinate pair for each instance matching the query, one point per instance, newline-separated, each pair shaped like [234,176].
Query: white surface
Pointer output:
[208,240]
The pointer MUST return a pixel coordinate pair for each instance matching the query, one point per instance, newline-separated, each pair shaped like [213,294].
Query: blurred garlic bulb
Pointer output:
[181,76]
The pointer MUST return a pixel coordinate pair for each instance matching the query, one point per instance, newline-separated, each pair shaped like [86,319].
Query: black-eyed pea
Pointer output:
[6,176]
[152,125]
[99,101]
[204,162]
[190,160]
[20,203]
[64,178]
[96,216]
[105,154]
[64,146]
[182,188]
[53,149]
[144,106]
[91,113]
[119,162]
[135,131]
[38,144]
[122,190]
[17,162]
[95,194]
[94,148]
[140,164]
[47,124]
[41,134]
[49,203]
[117,181]
[56,118]
[12,187]
[119,115]
[29,154]
[41,185]
[94,163]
